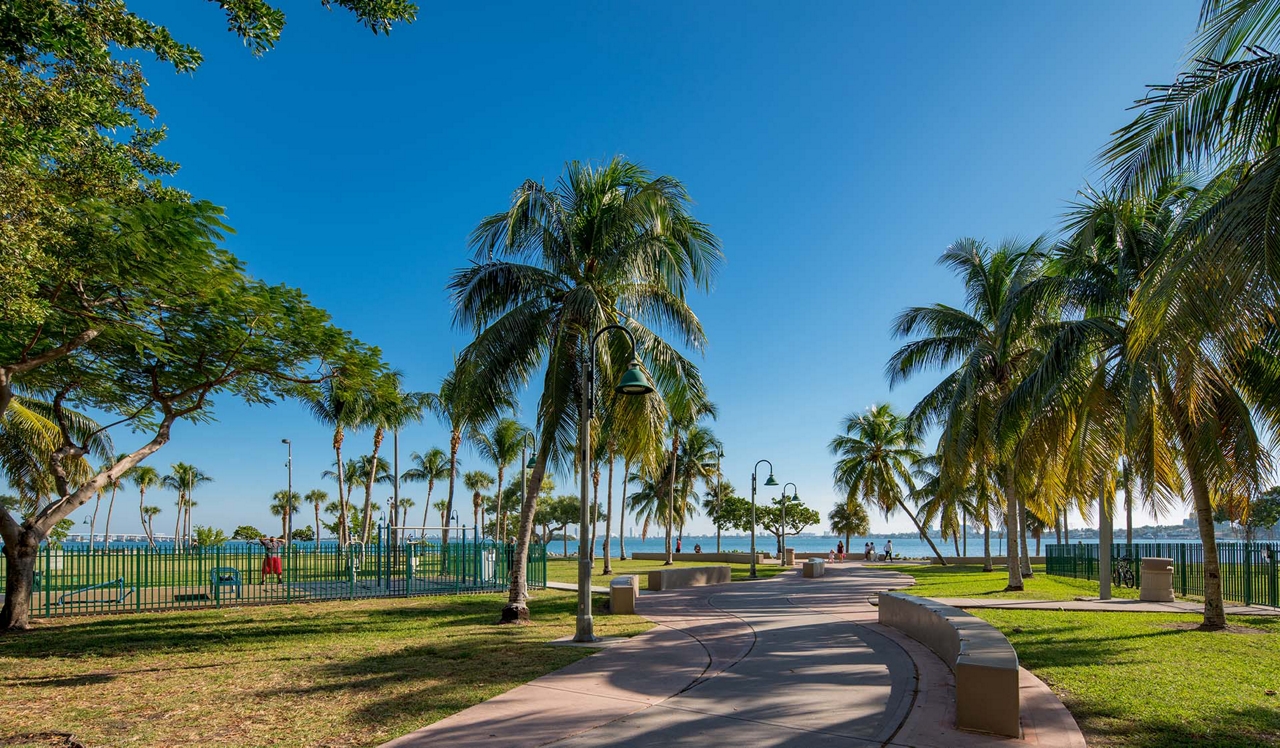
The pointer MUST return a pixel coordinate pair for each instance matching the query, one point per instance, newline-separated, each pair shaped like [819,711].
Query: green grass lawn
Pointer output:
[972,581]
[566,570]
[1133,679]
[334,674]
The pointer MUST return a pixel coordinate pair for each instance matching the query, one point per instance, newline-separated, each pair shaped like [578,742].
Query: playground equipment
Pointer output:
[224,576]
[121,592]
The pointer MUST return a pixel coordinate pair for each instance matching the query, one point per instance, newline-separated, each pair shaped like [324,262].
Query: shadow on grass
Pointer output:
[1251,727]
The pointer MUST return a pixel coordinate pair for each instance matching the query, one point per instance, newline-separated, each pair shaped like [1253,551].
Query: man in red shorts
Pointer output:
[271,563]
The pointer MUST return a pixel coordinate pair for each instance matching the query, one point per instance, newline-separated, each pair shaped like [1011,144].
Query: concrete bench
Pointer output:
[678,577]
[814,568]
[711,557]
[623,591]
[983,661]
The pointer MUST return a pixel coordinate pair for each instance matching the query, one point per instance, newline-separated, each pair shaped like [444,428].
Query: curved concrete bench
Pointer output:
[984,663]
[688,576]
[727,557]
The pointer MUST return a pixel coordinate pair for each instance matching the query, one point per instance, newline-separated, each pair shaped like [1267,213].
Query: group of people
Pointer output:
[868,551]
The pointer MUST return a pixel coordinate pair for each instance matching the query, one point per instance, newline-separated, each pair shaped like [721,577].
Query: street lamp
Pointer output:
[719,496]
[783,524]
[526,442]
[633,382]
[289,500]
[768,482]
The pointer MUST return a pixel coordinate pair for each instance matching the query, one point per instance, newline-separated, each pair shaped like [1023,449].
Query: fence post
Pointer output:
[1182,567]
[137,579]
[1274,581]
[1248,573]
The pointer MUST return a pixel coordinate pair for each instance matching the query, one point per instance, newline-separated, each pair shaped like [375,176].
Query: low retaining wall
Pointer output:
[984,663]
[979,560]
[727,557]
[678,577]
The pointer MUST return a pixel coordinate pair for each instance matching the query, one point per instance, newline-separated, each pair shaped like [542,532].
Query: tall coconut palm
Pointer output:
[465,402]
[849,518]
[339,403]
[111,504]
[428,468]
[387,407]
[149,514]
[985,350]
[610,244]
[317,498]
[874,454]
[686,409]
[500,444]
[285,504]
[145,478]
[183,478]
[477,481]
[406,504]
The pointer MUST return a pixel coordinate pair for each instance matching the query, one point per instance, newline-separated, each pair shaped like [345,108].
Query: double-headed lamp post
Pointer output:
[719,496]
[768,482]
[633,382]
[289,497]
[783,524]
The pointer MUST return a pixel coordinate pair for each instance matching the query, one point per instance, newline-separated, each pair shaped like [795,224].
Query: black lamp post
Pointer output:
[633,382]
[783,523]
[768,482]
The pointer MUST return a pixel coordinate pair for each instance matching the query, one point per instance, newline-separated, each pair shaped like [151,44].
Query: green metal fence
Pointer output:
[1249,571]
[74,581]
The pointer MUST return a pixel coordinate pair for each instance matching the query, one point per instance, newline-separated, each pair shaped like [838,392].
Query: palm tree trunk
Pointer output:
[455,441]
[367,515]
[93,521]
[1128,521]
[106,528]
[622,512]
[902,505]
[595,512]
[671,502]
[608,518]
[426,510]
[317,505]
[498,529]
[1022,535]
[177,526]
[146,527]
[517,608]
[1013,559]
[987,564]
[344,535]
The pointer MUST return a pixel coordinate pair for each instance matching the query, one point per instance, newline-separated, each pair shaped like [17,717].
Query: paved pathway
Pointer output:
[1120,605]
[780,662]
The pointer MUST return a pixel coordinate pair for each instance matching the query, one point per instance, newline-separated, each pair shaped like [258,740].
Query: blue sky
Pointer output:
[836,148]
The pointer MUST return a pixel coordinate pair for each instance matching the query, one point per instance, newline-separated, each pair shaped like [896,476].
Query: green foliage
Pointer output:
[849,518]
[246,532]
[59,532]
[798,517]
[1264,511]
[305,534]
[207,537]
[730,513]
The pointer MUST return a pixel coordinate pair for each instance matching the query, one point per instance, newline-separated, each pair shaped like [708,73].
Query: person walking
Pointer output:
[866,551]
[872,554]
[888,550]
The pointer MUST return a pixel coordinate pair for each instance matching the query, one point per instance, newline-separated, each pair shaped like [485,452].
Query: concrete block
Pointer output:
[814,568]
[623,591]
[688,576]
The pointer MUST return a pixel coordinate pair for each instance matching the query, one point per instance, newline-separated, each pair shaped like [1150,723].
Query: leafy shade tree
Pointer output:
[610,244]
[317,499]
[465,402]
[557,515]
[798,517]
[500,444]
[246,532]
[184,479]
[145,478]
[208,537]
[873,463]
[428,468]
[849,518]
[304,534]
[728,512]
[283,505]
[477,481]
[1264,514]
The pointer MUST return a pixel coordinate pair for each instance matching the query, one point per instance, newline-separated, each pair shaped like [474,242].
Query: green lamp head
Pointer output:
[634,382]
[533,462]
[770,481]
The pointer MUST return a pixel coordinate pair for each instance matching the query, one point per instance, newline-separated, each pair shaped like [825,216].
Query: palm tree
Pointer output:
[991,348]
[338,402]
[476,481]
[317,498]
[849,519]
[387,406]
[115,486]
[610,244]
[406,504]
[464,403]
[145,478]
[183,478]
[874,455]
[29,436]
[686,409]
[149,514]
[500,445]
[283,505]
[442,506]
[428,468]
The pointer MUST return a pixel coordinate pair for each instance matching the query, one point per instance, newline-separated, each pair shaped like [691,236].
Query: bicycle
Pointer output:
[1122,575]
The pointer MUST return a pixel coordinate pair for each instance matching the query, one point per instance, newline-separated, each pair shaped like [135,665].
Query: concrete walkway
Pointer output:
[780,662]
[1115,605]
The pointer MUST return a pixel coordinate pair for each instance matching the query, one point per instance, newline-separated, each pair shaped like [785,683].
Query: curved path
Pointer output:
[783,662]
